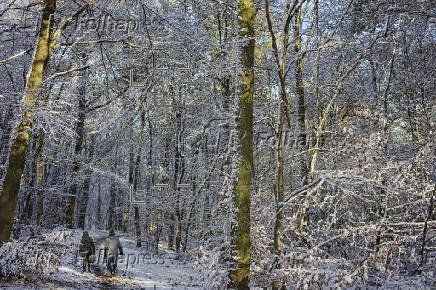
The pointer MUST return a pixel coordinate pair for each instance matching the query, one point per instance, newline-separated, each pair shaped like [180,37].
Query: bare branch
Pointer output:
[15,56]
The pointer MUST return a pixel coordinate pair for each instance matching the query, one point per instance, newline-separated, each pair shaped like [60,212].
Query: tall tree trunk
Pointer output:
[17,157]
[86,185]
[98,213]
[382,212]
[80,136]
[52,180]
[150,184]
[171,231]
[37,168]
[279,194]
[166,216]
[179,171]
[112,195]
[126,215]
[6,127]
[26,213]
[138,227]
[315,150]
[40,164]
[242,192]
[430,209]
[136,180]
[157,232]
[299,87]
[111,209]
[301,214]
[280,60]
[280,189]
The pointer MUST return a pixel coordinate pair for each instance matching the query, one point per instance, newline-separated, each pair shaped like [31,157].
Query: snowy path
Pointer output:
[136,270]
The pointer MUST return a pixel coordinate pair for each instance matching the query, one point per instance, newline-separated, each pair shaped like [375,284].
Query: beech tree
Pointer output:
[17,156]
[275,144]
[242,195]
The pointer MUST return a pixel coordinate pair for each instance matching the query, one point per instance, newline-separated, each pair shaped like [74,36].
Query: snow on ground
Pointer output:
[137,269]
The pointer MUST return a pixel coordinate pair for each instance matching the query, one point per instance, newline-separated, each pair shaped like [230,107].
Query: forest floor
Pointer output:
[137,269]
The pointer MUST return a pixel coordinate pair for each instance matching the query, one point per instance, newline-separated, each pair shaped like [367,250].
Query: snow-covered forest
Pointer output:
[275,144]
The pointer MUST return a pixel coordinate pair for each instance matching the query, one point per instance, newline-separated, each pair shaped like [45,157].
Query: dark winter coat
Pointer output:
[87,246]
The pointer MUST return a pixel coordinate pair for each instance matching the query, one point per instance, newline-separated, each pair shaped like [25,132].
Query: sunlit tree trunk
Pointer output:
[242,192]
[17,157]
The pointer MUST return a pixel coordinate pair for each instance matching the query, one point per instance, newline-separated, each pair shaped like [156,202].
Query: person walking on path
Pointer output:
[111,250]
[86,250]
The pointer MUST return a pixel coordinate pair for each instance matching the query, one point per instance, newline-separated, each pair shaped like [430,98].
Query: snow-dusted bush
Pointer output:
[37,251]
[216,263]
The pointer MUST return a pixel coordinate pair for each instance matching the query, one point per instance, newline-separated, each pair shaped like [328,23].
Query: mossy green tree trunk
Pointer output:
[242,191]
[17,157]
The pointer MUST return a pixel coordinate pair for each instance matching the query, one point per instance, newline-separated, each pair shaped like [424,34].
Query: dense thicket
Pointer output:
[139,122]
